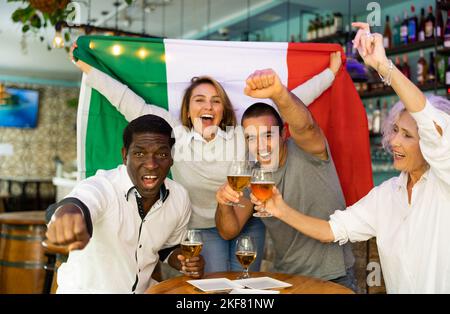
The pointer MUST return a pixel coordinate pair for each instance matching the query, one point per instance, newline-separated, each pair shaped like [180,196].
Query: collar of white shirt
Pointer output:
[198,137]
[402,180]
[128,186]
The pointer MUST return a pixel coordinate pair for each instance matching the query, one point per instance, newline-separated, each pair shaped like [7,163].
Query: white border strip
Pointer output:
[82,123]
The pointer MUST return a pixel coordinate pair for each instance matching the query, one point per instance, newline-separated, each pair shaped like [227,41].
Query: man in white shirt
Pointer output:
[118,223]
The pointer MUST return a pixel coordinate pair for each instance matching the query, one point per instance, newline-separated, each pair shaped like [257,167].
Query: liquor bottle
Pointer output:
[387,35]
[309,34]
[398,64]
[447,76]
[370,115]
[320,27]
[447,31]
[376,119]
[404,29]
[431,68]
[384,112]
[439,29]
[405,67]
[421,33]
[396,32]
[421,69]
[430,24]
[412,26]
[440,61]
[338,25]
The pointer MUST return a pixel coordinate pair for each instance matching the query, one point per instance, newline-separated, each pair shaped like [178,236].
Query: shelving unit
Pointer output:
[390,92]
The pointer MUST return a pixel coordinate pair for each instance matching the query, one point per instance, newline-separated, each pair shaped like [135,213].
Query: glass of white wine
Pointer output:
[245,254]
[191,246]
[239,177]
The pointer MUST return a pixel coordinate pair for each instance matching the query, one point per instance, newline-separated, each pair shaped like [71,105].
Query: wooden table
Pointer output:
[300,284]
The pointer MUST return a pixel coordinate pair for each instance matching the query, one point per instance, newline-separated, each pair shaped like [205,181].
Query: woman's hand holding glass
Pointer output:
[273,206]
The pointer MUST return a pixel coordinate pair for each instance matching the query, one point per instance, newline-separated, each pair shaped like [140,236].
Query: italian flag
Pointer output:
[159,70]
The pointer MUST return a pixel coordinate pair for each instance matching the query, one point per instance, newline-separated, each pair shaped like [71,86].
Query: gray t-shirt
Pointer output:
[311,186]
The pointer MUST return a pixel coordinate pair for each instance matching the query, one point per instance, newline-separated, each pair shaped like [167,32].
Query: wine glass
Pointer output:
[245,254]
[191,246]
[239,177]
[262,184]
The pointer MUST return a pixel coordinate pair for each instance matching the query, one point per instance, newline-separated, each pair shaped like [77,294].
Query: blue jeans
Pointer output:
[349,280]
[219,254]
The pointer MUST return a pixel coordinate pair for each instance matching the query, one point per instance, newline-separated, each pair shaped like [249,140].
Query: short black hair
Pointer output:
[259,109]
[148,123]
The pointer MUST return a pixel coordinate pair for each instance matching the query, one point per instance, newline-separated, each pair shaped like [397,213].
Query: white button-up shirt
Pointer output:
[413,239]
[123,247]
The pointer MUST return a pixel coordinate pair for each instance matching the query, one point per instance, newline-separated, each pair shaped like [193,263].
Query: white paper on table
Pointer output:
[253,291]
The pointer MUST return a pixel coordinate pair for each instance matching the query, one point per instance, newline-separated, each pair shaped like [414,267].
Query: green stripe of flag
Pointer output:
[137,62]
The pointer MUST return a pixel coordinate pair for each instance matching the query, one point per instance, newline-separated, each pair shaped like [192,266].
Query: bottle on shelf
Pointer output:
[387,35]
[439,29]
[421,33]
[328,26]
[396,31]
[440,62]
[404,29]
[430,23]
[337,22]
[376,119]
[447,31]
[422,69]
[447,76]
[384,112]
[370,116]
[412,26]
[320,26]
[405,67]
[431,68]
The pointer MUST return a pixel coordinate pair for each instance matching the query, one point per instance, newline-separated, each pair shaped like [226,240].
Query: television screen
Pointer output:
[18,107]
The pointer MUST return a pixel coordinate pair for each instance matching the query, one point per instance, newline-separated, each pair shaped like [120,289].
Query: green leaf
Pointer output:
[25,28]
[36,21]
[66,36]
[128,1]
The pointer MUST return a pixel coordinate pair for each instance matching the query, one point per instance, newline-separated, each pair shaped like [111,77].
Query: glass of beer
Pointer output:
[239,177]
[245,254]
[192,245]
[262,184]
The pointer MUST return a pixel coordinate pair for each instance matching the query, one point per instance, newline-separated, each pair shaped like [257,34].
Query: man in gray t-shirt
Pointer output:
[303,172]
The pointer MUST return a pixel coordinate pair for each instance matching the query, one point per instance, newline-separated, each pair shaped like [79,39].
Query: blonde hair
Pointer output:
[228,118]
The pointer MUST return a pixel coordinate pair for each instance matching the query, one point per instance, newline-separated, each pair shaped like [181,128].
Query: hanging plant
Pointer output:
[43,13]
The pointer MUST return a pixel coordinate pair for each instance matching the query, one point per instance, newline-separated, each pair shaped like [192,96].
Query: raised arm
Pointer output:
[315,86]
[356,223]
[370,47]
[432,123]
[119,95]
[304,130]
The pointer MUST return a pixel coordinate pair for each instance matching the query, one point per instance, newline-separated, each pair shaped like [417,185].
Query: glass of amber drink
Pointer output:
[239,177]
[262,184]
[245,254]
[191,246]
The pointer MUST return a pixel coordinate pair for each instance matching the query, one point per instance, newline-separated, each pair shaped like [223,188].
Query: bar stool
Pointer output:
[56,255]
